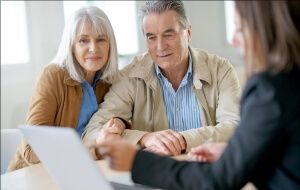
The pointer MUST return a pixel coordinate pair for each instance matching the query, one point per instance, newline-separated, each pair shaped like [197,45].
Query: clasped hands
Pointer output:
[166,142]
[121,154]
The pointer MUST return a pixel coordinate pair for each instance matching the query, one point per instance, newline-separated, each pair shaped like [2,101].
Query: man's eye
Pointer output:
[151,37]
[169,36]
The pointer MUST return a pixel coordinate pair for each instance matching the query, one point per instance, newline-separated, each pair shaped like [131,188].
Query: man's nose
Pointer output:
[161,44]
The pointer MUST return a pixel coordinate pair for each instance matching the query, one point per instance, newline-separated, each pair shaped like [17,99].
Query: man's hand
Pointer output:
[113,129]
[209,152]
[165,142]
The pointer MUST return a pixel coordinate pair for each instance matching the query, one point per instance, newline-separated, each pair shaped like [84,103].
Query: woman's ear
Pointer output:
[189,33]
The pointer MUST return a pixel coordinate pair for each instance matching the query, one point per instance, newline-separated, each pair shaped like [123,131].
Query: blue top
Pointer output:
[182,105]
[89,103]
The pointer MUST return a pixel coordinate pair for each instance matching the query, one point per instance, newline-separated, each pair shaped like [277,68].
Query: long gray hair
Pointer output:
[100,24]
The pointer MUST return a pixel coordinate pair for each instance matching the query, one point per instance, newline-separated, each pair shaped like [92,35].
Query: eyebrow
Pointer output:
[166,31]
[85,35]
[169,30]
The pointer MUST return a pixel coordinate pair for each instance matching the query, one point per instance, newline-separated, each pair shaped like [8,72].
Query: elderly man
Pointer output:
[173,97]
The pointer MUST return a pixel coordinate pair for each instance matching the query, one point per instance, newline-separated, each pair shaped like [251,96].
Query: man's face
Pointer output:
[167,40]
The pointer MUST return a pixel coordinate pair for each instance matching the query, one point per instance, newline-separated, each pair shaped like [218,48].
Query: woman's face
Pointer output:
[238,39]
[91,50]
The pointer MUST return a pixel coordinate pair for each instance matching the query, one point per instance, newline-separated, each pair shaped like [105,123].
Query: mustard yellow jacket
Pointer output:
[137,98]
[56,101]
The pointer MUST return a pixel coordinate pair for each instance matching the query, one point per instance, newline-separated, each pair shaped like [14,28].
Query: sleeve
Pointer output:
[250,146]
[42,109]
[227,110]
[118,102]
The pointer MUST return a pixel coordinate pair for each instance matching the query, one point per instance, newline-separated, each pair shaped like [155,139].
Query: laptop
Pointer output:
[67,160]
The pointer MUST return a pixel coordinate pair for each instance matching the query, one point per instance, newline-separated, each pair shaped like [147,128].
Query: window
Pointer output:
[14,37]
[229,11]
[122,15]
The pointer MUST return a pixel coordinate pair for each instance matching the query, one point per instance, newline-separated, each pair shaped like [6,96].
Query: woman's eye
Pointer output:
[102,40]
[83,41]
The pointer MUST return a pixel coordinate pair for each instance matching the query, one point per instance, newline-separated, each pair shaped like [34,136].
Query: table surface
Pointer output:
[36,177]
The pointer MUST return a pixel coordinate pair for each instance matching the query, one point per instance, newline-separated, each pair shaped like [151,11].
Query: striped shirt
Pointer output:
[182,107]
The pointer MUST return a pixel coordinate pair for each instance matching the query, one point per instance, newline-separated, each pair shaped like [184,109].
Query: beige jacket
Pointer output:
[137,98]
[56,101]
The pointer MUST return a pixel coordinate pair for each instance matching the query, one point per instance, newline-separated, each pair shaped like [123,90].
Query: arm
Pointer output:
[118,103]
[42,109]
[226,113]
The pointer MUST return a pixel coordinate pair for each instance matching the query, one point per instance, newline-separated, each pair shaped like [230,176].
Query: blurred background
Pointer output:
[31,32]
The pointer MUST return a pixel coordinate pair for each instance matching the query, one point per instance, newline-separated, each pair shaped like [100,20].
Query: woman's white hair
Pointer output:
[100,24]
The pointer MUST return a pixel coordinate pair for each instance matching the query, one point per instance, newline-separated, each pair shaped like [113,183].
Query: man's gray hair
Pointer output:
[160,6]
[100,24]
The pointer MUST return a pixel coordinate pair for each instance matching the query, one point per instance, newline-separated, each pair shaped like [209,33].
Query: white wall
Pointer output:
[45,28]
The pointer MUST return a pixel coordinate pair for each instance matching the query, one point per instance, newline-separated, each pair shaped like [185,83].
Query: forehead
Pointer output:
[86,27]
[160,22]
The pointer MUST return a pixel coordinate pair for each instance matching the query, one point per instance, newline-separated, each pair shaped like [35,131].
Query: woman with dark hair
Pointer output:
[265,148]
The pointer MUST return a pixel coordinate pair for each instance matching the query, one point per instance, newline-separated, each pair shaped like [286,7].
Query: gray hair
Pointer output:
[160,6]
[100,24]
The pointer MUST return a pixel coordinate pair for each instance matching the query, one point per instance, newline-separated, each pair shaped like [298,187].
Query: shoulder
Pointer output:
[215,66]
[282,88]
[280,82]
[210,59]
[259,85]
[139,62]
[54,70]
[53,74]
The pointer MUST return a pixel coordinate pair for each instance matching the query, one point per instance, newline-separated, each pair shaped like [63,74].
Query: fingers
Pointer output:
[114,125]
[167,142]
[119,153]
[110,123]
[111,130]
[209,152]
[170,143]
[91,145]
[199,149]
[181,140]
[178,140]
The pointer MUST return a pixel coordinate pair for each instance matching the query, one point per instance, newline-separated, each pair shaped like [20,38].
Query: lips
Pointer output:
[94,58]
[164,55]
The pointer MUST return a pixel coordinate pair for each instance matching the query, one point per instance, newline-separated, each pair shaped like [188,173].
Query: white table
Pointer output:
[36,177]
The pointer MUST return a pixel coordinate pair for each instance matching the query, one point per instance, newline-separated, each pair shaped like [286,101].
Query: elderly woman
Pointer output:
[265,148]
[70,88]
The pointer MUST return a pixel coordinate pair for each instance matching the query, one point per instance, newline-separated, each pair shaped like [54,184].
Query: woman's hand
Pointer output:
[113,129]
[209,152]
[119,152]
[91,146]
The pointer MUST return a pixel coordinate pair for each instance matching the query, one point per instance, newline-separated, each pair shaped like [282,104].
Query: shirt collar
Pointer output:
[96,79]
